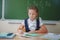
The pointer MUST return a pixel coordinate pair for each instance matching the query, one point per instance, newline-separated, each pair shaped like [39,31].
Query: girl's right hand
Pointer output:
[20,32]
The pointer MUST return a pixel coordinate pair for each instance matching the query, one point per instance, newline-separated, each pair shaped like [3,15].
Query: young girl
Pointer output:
[33,24]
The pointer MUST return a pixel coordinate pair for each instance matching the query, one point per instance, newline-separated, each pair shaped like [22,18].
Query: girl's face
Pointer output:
[32,14]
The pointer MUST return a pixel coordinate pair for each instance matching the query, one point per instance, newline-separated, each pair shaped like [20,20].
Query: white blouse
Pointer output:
[32,24]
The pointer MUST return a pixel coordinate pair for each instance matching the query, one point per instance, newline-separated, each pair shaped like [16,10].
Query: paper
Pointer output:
[51,36]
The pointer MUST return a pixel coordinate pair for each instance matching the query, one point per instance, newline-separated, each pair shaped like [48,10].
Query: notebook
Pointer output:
[7,35]
[30,35]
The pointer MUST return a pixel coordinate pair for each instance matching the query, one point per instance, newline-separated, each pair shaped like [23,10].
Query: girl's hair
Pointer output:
[33,7]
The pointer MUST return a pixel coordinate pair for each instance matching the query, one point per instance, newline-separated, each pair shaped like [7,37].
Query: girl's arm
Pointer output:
[21,29]
[43,29]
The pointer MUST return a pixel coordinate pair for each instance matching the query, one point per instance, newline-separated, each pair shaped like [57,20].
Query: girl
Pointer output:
[33,24]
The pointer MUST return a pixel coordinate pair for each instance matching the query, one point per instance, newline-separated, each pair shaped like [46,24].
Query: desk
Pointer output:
[31,38]
[48,36]
[24,38]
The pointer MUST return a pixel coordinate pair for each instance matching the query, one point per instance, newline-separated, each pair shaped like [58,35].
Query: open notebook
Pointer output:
[7,35]
[30,35]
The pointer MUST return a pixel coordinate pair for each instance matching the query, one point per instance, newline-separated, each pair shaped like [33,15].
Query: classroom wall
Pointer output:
[5,26]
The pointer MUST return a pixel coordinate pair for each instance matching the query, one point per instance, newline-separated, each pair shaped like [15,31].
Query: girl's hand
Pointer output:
[20,32]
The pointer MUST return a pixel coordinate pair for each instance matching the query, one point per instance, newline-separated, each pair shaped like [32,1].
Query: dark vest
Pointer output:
[27,28]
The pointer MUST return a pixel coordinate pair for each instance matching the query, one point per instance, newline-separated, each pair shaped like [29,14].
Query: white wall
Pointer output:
[54,28]
[6,27]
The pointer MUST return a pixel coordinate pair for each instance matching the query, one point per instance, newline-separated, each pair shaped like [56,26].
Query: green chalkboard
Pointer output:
[0,9]
[17,9]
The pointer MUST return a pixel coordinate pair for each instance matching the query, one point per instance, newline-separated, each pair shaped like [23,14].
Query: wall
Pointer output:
[5,26]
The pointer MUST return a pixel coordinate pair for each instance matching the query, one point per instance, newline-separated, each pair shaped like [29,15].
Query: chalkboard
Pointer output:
[0,9]
[17,9]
